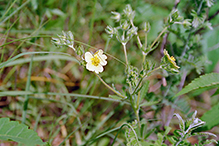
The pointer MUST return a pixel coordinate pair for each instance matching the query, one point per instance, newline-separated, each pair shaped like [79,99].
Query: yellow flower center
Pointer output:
[172,58]
[95,61]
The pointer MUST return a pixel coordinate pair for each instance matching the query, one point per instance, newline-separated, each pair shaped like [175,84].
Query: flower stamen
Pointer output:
[95,61]
[172,58]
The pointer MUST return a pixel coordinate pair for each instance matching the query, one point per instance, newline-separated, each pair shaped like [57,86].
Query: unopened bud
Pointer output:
[132,31]
[147,27]
[124,25]
[110,30]
[129,12]
[116,16]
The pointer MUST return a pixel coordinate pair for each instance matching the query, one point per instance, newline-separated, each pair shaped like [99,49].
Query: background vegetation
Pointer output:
[49,88]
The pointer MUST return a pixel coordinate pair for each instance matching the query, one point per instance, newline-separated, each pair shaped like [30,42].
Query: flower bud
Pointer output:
[110,30]
[124,25]
[132,31]
[129,13]
[80,50]
[116,16]
[147,27]
[168,63]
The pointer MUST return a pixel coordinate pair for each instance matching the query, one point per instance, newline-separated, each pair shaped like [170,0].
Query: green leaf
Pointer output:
[115,97]
[216,92]
[12,130]
[144,90]
[167,130]
[211,118]
[150,103]
[207,81]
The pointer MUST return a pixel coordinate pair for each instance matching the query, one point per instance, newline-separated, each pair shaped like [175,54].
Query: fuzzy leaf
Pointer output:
[13,130]
[207,81]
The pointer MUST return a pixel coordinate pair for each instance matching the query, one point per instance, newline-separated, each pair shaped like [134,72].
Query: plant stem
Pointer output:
[143,78]
[120,95]
[107,44]
[158,36]
[138,100]
[139,41]
[124,48]
[136,110]
[145,46]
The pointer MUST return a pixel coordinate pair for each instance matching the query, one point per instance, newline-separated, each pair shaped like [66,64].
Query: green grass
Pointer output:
[45,87]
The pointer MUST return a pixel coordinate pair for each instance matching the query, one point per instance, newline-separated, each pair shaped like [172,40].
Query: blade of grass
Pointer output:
[41,58]
[25,106]
[30,35]
[37,121]
[16,40]
[5,36]
[22,93]
[92,22]
[9,74]
[103,134]
[14,12]
[68,136]
[91,133]
[27,53]
[8,10]
[70,105]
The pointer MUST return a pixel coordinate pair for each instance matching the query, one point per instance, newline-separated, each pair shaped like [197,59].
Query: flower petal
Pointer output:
[88,56]
[98,69]
[102,57]
[90,66]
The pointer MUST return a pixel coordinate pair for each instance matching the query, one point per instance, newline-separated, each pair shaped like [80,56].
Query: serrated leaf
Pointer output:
[211,118]
[13,130]
[207,81]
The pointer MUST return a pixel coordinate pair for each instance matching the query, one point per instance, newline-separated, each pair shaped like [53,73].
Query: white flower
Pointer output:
[95,62]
